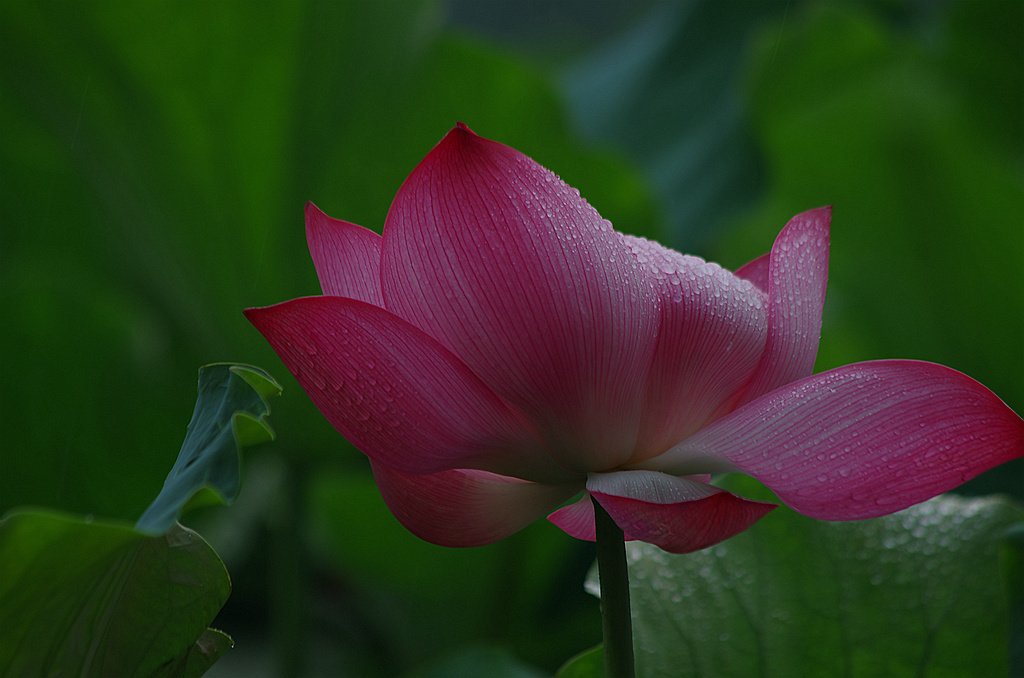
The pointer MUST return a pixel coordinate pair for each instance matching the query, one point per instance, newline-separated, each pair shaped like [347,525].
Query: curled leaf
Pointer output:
[231,411]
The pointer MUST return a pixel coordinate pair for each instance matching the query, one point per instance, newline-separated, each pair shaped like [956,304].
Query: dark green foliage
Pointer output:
[95,598]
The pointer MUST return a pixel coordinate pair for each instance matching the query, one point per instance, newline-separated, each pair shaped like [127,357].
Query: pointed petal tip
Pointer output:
[263,317]
[461,131]
[314,217]
[251,314]
[524,257]
[346,256]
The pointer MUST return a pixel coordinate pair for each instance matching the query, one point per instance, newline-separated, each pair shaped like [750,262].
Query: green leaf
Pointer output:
[230,413]
[199,658]
[91,598]
[587,664]
[917,593]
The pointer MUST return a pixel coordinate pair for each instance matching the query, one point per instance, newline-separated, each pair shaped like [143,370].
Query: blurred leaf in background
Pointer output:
[667,91]
[919,145]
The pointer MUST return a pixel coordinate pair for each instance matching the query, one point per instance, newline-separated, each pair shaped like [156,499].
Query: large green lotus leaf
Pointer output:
[920,155]
[230,413]
[918,593]
[90,598]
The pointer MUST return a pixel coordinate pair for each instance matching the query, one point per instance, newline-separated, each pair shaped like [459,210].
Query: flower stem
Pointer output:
[615,617]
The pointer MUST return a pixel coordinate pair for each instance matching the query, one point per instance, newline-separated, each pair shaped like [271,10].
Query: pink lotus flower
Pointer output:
[500,349]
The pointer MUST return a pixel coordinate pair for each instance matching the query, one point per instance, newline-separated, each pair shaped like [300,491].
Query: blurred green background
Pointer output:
[155,158]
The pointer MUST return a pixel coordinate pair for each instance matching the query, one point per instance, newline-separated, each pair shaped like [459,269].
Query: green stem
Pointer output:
[615,616]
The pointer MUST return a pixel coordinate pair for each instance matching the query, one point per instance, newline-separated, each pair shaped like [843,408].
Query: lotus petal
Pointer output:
[510,269]
[712,331]
[465,507]
[678,515]
[346,257]
[796,279]
[756,271]
[859,441]
[396,394]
